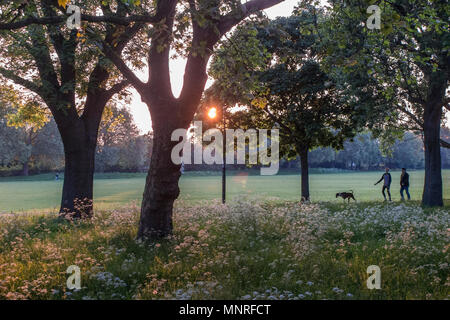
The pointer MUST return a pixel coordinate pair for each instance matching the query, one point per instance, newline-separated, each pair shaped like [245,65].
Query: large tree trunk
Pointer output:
[161,187]
[432,190]
[432,113]
[305,172]
[77,195]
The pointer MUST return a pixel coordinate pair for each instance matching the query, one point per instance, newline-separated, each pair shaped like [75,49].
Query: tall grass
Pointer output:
[247,250]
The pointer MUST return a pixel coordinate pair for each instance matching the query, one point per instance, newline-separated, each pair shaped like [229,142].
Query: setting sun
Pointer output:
[212,113]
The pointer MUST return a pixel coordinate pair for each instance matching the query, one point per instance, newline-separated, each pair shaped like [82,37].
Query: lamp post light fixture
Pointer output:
[212,113]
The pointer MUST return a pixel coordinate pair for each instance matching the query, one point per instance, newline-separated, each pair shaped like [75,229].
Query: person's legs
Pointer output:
[407,193]
[382,191]
[401,192]
[389,193]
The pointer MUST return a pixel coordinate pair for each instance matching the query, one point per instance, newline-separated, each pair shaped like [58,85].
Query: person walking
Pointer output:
[386,177]
[404,184]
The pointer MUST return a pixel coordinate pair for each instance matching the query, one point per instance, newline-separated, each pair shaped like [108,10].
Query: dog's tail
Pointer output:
[353,195]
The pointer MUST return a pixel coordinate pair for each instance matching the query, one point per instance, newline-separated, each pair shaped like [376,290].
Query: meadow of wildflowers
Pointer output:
[247,250]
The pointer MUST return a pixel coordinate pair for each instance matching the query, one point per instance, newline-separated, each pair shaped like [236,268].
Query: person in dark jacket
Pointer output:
[386,177]
[404,184]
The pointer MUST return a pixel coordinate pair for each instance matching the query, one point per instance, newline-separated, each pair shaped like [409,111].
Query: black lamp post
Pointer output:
[224,181]
[212,114]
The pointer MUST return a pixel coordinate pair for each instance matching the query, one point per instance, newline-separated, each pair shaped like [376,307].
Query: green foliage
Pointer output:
[36,53]
[16,142]
[275,70]
[29,115]
[403,61]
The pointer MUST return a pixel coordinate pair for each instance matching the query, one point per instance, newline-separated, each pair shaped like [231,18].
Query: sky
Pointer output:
[139,109]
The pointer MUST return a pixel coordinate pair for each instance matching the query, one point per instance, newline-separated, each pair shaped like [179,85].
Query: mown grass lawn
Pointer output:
[249,249]
[43,192]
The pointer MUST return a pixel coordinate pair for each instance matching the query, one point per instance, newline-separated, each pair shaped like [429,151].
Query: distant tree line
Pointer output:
[20,155]
[120,147]
[366,153]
